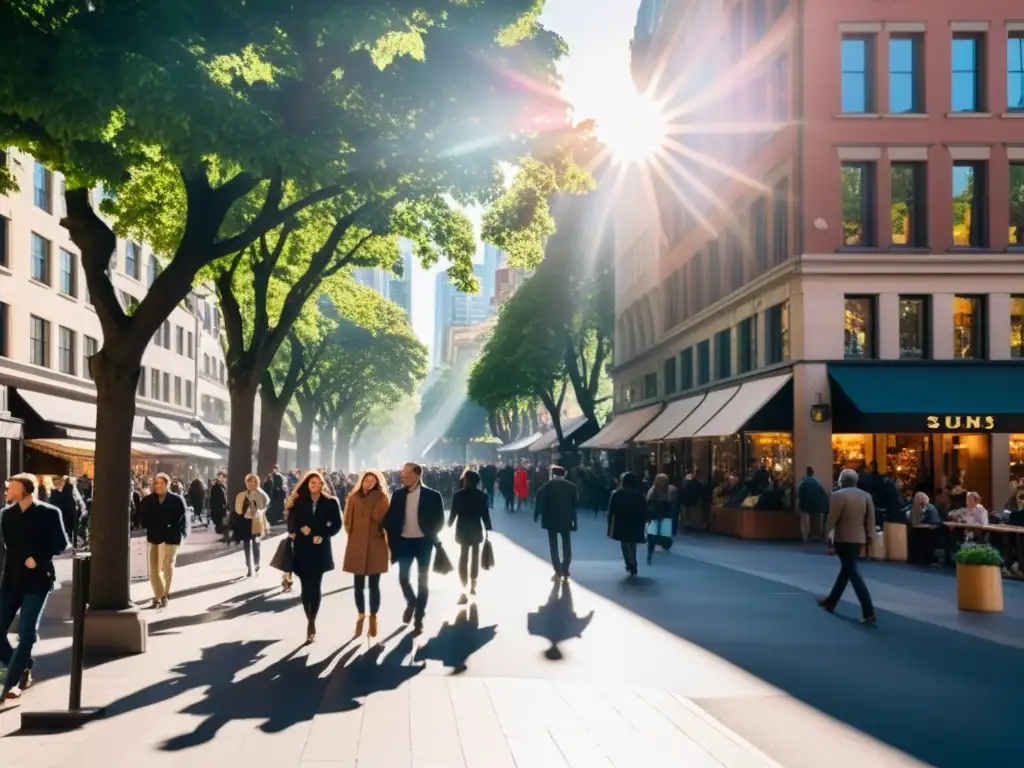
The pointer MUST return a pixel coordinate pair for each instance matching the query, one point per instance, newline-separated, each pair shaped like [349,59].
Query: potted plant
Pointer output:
[979,580]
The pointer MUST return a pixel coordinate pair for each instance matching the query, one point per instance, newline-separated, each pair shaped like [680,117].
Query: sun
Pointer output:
[632,126]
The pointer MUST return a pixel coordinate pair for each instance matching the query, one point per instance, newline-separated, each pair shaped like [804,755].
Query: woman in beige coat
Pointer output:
[250,521]
[366,551]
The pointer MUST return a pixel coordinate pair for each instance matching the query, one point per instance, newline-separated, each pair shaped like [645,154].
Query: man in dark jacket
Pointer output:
[33,534]
[218,501]
[165,518]
[556,508]
[488,474]
[812,501]
[71,505]
[413,521]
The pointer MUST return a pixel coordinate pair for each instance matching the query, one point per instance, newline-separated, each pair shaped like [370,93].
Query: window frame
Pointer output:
[925,323]
[668,375]
[978,235]
[1018,166]
[871,340]
[5,329]
[916,73]
[723,354]
[978,72]
[687,370]
[704,363]
[868,74]
[66,354]
[47,262]
[165,388]
[1020,348]
[780,211]
[154,384]
[746,345]
[1018,38]
[5,233]
[979,326]
[776,333]
[868,185]
[71,288]
[44,341]
[90,346]
[917,236]
[42,197]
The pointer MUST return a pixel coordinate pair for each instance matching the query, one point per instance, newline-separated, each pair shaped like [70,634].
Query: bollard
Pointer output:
[75,716]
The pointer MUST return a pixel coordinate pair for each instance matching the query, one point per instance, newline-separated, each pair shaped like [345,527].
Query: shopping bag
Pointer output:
[442,563]
[284,557]
[487,556]
[660,532]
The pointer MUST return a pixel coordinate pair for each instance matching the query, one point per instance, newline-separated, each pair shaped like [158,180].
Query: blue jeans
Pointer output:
[420,551]
[31,606]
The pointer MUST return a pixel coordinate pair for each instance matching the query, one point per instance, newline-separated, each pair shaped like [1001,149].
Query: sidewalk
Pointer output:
[227,682]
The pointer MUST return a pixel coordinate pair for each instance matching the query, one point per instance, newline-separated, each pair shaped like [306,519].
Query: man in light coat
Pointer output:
[851,520]
[556,506]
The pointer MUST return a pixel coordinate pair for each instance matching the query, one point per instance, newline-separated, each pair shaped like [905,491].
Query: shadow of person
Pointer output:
[556,621]
[456,642]
[373,671]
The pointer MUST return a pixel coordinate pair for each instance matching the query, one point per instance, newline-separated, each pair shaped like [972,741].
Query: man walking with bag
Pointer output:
[556,508]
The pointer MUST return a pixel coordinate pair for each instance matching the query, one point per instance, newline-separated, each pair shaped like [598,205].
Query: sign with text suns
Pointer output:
[961,423]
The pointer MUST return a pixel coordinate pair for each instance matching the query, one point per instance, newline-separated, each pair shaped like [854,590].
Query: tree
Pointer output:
[186,110]
[447,414]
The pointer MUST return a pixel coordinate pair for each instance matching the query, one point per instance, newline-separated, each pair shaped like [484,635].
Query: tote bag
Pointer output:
[442,563]
[487,556]
[284,557]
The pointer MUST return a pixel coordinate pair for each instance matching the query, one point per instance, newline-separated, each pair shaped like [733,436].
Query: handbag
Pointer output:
[660,532]
[442,563]
[284,558]
[487,556]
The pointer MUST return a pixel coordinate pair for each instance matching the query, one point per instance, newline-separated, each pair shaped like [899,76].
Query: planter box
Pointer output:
[979,588]
[895,542]
[756,525]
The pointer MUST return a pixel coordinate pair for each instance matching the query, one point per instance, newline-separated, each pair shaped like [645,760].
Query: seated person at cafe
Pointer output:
[926,532]
[774,498]
[731,493]
[973,513]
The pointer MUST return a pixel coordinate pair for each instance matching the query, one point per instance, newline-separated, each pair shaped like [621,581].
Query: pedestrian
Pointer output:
[165,517]
[219,505]
[521,487]
[71,505]
[627,518]
[32,534]
[197,500]
[414,519]
[556,508]
[471,516]
[250,521]
[662,509]
[851,520]
[366,551]
[314,517]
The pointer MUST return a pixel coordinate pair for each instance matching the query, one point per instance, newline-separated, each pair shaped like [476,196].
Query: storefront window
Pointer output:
[858,325]
[850,452]
[725,458]
[913,328]
[1017,459]
[1017,326]
[908,459]
[770,463]
[967,328]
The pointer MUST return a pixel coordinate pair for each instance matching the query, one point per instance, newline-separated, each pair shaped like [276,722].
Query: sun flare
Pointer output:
[633,127]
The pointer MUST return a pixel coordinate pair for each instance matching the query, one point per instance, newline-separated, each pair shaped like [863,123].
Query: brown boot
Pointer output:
[373,626]
[359,624]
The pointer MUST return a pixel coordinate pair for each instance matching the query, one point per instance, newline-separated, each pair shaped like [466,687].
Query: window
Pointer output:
[221,371]
[650,386]
[140,389]
[167,387]
[776,333]
[191,346]
[1015,72]
[165,335]
[154,384]
[62,197]
[131,259]
[188,394]
[4,230]
[703,363]
[907,215]
[686,369]
[40,259]
[68,273]
[669,375]
[735,251]
[914,336]
[759,235]
[42,180]
[179,340]
[66,357]
[1017,204]
[906,74]
[966,87]
[723,354]
[746,343]
[969,204]
[5,331]
[780,221]
[206,364]
[857,61]
[968,328]
[858,204]
[177,390]
[91,348]
[697,284]
[1016,326]
[716,278]
[152,270]
[39,341]
[859,327]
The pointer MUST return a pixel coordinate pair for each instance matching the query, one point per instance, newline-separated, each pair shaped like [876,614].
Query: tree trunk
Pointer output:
[326,446]
[343,451]
[304,440]
[271,420]
[243,411]
[109,527]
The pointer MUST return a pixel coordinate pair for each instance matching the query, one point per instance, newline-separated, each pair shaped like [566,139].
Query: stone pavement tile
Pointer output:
[483,743]
[433,731]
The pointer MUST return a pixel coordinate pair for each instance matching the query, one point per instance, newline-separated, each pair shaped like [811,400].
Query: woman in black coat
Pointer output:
[470,516]
[627,518]
[314,518]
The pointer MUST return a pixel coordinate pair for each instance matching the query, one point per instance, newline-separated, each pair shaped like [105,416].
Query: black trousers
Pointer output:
[629,555]
[467,567]
[561,565]
[848,574]
[311,585]
[360,592]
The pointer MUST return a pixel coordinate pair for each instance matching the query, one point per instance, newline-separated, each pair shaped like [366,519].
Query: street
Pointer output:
[716,655]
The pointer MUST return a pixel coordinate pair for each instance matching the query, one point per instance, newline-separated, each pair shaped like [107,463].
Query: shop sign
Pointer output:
[965,423]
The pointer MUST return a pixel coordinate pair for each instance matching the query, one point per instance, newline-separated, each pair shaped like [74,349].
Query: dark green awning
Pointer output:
[924,398]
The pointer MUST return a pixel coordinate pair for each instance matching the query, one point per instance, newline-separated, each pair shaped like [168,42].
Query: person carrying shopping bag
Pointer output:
[366,551]
[471,516]
[662,509]
[627,518]
[250,521]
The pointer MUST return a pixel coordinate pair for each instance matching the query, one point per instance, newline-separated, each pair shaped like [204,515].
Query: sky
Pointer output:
[598,34]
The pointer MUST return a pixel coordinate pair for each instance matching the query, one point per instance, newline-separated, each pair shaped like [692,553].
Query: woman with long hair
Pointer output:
[471,517]
[366,551]
[314,518]
[250,521]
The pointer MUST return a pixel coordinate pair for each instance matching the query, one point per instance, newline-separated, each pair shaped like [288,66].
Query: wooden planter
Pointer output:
[895,536]
[979,588]
[759,525]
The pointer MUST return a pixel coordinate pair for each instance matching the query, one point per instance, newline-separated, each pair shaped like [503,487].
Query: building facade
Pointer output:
[833,271]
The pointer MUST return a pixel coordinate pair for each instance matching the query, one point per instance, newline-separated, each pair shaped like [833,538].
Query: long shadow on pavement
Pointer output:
[897,682]
[455,642]
[556,621]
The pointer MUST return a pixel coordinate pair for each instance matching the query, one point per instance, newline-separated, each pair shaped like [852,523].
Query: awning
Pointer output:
[714,401]
[220,436]
[68,448]
[924,398]
[519,445]
[60,411]
[751,398]
[549,439]
[64,448]
[10,429]
[169,430]
[673,415]
[622,429]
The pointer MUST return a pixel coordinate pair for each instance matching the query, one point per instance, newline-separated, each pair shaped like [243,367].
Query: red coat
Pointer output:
[521,484]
